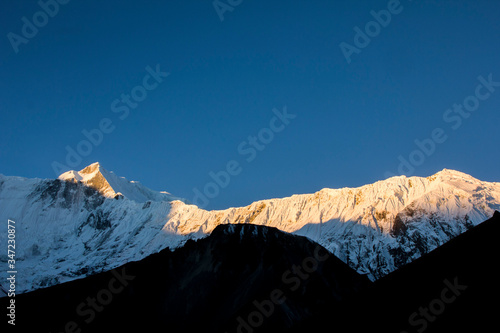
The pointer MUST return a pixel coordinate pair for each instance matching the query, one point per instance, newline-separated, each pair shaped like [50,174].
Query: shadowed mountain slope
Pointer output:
[239,277]
[454,288]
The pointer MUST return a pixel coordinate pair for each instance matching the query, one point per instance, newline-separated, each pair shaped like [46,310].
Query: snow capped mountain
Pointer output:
[374,228]
[112,186]
[79,224]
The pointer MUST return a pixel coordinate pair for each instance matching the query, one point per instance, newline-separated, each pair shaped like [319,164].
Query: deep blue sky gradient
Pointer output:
[353,120]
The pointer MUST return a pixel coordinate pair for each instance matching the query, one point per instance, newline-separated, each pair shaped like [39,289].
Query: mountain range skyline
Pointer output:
[151,95]
[88,173]
[74,176]
[94,174]
[92,220]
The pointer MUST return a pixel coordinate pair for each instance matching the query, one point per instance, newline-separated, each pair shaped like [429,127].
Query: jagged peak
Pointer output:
[111,186]
[84,174]
[91,168]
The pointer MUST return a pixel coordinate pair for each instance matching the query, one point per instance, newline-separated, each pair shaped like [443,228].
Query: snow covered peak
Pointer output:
[92,168]
[112,186]
[449,173]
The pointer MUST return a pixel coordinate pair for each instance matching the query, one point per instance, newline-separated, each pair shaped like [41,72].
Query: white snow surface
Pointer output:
[77,225]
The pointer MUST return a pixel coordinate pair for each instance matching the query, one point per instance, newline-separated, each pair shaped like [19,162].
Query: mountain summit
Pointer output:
[112,186]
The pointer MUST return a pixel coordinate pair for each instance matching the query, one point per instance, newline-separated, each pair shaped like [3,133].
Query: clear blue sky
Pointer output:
[353,120]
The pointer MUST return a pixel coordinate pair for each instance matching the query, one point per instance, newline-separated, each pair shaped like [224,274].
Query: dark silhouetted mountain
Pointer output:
[242,278]
[454,288]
